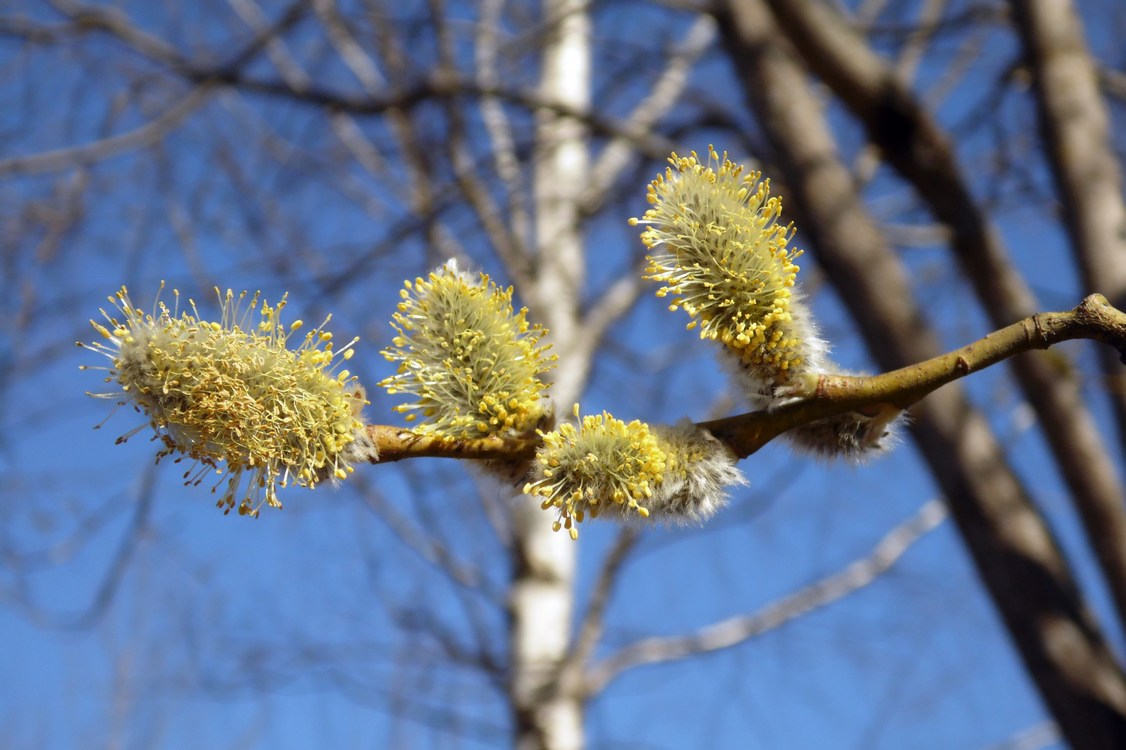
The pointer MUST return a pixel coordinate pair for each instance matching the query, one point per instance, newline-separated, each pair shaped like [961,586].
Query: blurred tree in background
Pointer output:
[951,166]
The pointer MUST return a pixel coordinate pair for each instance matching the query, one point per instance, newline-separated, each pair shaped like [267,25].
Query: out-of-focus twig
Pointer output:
[736,630]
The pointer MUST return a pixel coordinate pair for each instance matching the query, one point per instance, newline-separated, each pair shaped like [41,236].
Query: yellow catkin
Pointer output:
[231,396]
[722,256]
[600,464]
[472,363]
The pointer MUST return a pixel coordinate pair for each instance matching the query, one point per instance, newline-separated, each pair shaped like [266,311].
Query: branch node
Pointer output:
[820,390]
[1038,336]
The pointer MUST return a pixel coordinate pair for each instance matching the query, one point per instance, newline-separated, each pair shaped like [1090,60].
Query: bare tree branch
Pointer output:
[663,95]
[144,136]
[1019,561]
[544,564]
[501,137]
[737,630]
[918,148]
[361,64]
[572,672]
[288,68]
[829,396]
[426,546]
[1075,127]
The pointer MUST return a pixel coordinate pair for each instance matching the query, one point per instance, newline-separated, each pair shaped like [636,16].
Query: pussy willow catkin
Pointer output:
[232,397]
[722,256]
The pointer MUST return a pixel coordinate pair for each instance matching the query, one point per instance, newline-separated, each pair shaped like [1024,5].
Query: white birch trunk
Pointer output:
[542,597]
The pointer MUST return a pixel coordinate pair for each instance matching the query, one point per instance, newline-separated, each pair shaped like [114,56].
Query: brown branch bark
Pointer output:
[899,389]
[1015,553]
[1075,128]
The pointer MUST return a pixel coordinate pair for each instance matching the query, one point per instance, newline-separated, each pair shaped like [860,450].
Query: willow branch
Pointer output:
[1076,130]
[830,396]
[1093,319]
[395,444]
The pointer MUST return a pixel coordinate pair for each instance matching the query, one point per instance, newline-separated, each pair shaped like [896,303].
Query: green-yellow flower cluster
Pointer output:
[718,247]
[473,365]
[231,393]
[720,252]
[602,464]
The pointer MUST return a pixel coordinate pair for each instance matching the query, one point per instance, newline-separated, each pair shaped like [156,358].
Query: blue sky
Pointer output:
[308,627]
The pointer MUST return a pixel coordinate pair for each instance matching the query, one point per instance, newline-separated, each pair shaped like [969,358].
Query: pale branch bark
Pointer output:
[1113,82]
[828,395]
[426,546]
[474,190]
[288,68]
[737,630]
[84,19]
[607,309]
[415,154]
[1038,737]
[911,56]
[1075,128]
[1020,563]
[907,63]
[23,562]
[401,97]
[499,229]
[87,18]
[366,153]
[919,149]
[572,674]
[421,89]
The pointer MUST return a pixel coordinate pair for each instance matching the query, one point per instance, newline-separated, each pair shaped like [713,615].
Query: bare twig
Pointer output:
[361,64]
[288,68]
[663,95]
[593,622]
[143,136]
[1020,563]
[501,136]
[1076,129]
[736,630]
[920,149]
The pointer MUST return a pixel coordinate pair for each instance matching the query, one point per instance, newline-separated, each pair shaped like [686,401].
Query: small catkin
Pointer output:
[601,465]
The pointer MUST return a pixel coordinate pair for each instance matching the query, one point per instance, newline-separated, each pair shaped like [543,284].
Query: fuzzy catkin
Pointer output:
[473,365]
[604,466]
[231,397]
[699,470]
[854,435]
[721,253]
